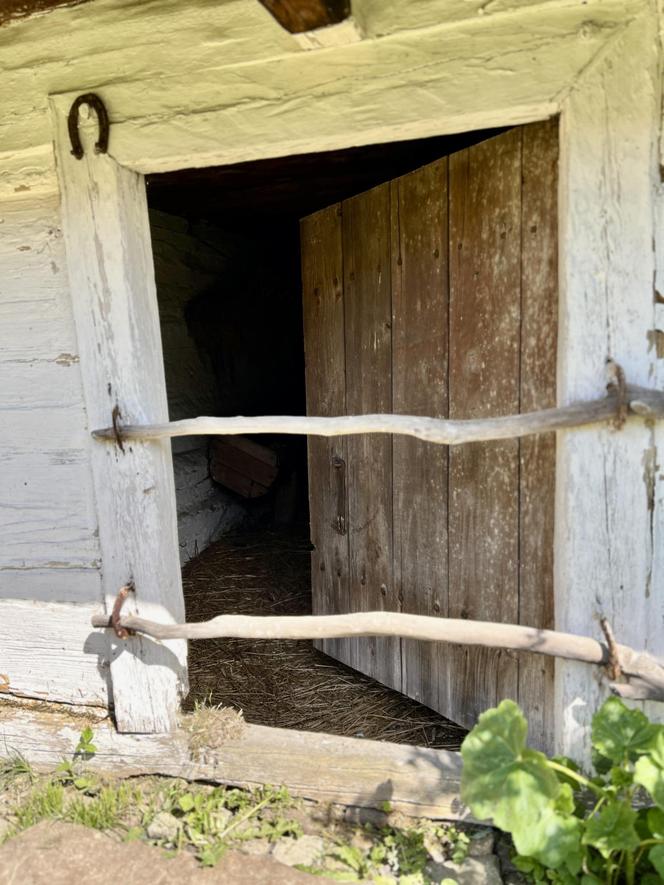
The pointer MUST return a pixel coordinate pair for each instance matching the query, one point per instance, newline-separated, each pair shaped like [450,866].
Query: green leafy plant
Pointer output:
[208,821]
[13,768]
[398,854]
[68,771]
[568,827]
[85,747]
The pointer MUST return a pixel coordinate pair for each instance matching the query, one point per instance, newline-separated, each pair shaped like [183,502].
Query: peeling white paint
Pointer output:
[198,83]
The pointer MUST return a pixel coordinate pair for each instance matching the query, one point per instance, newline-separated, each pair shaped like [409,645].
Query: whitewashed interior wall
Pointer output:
[186,265]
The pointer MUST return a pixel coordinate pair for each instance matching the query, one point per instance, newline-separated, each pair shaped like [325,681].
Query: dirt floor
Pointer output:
[288,683]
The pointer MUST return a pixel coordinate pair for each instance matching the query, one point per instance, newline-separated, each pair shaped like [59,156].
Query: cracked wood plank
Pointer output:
[604,543]
[117,320]
[360,773]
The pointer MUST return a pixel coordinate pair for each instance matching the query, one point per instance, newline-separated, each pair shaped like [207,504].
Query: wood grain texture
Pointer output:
[47,514]
[278,99]
[537,466]
[325,371]
[607,562]
[643,403]
[449,523]
[121,361]
[306,15]
[485,269]
[646,669]
[49,651]
[63,583]
[13,9]
[419,385]
[327,768]
[368,345]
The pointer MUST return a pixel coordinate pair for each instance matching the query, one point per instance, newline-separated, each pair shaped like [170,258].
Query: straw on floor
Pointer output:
[288,683]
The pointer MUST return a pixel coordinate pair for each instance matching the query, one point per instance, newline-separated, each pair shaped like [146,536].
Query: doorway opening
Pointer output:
[228,256]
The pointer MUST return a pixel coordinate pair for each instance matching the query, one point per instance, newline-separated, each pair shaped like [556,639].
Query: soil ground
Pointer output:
[71,827]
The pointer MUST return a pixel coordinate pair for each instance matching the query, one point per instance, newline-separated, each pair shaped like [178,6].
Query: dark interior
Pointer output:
[227,260]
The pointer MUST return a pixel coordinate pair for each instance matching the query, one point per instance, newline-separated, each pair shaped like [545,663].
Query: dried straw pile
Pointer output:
[287,683]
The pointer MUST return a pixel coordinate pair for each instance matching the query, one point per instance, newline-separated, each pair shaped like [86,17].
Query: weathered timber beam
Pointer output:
[359,773]
[646,669]
[639,401]
[298,16]
[13,9]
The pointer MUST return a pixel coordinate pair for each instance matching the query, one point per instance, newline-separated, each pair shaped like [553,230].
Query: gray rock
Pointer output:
[255,847]
[304,851]
[473,871]
[164,826]
[481,843]
[221,819]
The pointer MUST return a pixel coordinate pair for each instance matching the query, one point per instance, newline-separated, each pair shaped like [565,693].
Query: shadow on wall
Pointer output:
[231,323]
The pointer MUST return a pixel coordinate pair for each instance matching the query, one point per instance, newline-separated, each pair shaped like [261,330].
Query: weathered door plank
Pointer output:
[539,325]
[471,332]
[485,267]
[419,383]
[368,318]
[325,360]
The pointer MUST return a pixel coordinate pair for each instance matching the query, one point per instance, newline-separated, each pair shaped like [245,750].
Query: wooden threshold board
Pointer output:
[418,781]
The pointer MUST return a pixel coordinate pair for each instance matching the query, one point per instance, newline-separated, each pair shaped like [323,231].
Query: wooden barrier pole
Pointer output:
[639,401]
[647,670]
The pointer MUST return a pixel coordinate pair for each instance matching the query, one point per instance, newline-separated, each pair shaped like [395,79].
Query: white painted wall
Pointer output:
[190,84]
[49,548]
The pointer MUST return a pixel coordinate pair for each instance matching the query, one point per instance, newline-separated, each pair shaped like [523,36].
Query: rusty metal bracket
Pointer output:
[618,385]
[613,664]
[120,631]
[93,101]
[339,522]
[116,415]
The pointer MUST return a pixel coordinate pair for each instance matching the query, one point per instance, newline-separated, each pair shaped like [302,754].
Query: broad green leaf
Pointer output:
[612,829]
[619,733]
[656,858]
[650,776]
[501,778]
[655,819]
[656,749]
[551,838]
[504,780]
[564,803]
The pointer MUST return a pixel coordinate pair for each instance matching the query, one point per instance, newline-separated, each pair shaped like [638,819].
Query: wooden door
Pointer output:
[436,294]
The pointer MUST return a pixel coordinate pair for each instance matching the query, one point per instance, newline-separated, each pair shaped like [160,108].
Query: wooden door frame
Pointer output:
[608,181]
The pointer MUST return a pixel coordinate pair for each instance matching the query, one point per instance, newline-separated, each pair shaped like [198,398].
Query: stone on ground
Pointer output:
[304,851]
[473,871]
[164,826]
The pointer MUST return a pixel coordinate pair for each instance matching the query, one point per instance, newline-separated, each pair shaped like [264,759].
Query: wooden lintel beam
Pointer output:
[298,16]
